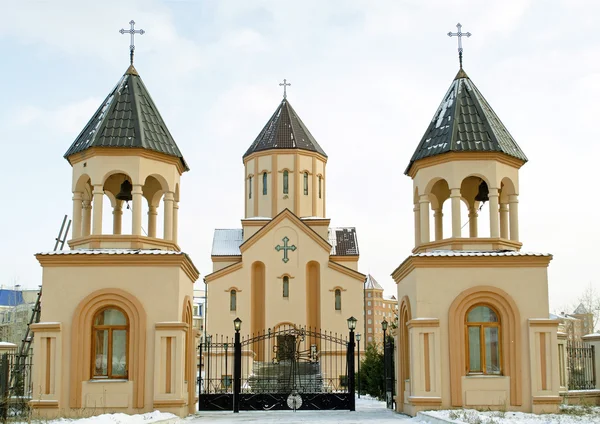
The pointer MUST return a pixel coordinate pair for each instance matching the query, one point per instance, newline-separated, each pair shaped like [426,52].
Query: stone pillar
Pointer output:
[455,199]
[494,215]
[563,371]
[136,220]
[176,218]
[152,214]
[439,224]
[473,222]
[544,365]
[504,220]
[98,196]
[168,205]
[87,217]
[117,215]
[594,340]
[77,213]
[513,201]
[424,217]
[417,212]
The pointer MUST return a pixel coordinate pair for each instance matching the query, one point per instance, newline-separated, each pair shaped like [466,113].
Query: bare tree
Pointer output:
[590,299]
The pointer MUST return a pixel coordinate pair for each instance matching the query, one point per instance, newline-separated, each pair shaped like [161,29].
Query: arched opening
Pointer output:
[474,191]
[286,182]
[257,290]
[110,340]
[338,300]
[286,287]
[306,183]
[313,295]
[438,195]
[264,183]
[509,210]
[404,351]
[190,354]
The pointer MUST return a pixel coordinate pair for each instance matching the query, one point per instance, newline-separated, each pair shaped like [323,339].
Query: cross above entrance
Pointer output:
[459,34]
[285,248]
[132,31]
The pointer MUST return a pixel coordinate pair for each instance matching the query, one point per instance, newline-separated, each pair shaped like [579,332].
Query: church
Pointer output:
[474,328]
[286,266]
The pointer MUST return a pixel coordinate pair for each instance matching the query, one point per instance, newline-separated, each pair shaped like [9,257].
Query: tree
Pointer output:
[590,299]
[371,372]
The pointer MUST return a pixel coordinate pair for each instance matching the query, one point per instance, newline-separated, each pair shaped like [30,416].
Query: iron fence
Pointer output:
[581,364]
[15,385]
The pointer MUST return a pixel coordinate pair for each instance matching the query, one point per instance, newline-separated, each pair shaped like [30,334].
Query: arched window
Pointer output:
[320,184]
[249,187]
[483,341]
[110,336]
[232,300]
[264,183]
[286,286]
[338,300]
[306,183]
[285,182]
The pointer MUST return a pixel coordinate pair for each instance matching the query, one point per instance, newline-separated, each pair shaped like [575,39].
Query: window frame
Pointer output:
[483,344]
[338,296]
[306,183]
[232,300]
[320,183]
[286,287]
[286,182]
[110,328]
[250,187]
[265,183]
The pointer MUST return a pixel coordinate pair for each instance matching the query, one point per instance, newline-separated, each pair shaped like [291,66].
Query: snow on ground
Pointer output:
[367,410]
[147,418]
[568,415]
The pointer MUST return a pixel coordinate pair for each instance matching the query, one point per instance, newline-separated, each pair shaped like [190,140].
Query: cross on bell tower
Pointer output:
[459,34]
[285,84]
[132,31]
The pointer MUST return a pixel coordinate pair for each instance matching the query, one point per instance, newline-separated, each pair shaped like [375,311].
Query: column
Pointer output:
[152,214]
[473,222]
[424,217]
[439,224]
[513,201]
[416,211]
[494,227]
[168,226]
[504,220]
[87,217]
[117,215]
[77,213]
[176,219]
[455,199]
[98,196]
[136,220]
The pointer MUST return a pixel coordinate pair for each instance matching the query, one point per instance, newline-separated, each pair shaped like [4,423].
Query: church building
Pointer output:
[286,266]
[474,328]
[116,330]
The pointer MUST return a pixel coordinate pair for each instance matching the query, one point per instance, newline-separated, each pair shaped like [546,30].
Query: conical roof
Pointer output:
[465,122]
[285,130]
[128,118]
[372,284]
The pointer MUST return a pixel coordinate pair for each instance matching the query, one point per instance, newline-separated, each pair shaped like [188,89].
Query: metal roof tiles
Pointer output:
[465,122]
[372,284]
[437,253]
[128,118]
[285,130]
[343,241]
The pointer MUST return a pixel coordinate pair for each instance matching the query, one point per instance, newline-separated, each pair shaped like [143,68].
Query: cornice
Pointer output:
[270,152]
[459,156]
[347,271]
[222,272]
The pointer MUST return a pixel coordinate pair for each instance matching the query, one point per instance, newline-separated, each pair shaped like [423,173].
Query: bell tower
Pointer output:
[125,154]
[465,165]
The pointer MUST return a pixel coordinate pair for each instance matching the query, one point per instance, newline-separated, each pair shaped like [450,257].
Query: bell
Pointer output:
[482,193]
[125,193]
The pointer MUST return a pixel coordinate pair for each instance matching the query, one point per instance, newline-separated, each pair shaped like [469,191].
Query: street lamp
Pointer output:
[358,342]
[350,359]
[237,324]
[384,326]
[237,365]
[352,324]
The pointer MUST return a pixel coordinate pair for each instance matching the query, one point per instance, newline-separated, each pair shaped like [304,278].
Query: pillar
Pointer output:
[168,226]
[504,220]
[98,196]
[494,225]
[152,214]
[136,220]
[176,219]
[77,213]
[87,217]
[473,222]
[513,201]
[439,224]
[424,217]
[455,199]
[117,215]
[416,211]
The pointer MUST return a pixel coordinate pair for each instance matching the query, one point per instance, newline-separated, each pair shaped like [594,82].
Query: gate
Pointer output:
[289,368]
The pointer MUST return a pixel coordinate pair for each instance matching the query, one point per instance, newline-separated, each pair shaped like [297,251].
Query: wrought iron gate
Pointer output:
[287,368]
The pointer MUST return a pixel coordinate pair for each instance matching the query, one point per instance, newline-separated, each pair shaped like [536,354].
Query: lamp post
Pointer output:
[358,348]
[237,365]
[384,325]
[351,389]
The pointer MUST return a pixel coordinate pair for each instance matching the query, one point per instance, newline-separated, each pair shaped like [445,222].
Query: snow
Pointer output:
[568,415]
[147,418]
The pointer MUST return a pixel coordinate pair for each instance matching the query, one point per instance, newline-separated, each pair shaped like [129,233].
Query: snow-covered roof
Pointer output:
[437,253]
[226,242]
[343,241]
[581,310]
[112,252]
[372,284]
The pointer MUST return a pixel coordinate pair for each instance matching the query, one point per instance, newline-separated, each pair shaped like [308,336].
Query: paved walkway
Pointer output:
[367,410]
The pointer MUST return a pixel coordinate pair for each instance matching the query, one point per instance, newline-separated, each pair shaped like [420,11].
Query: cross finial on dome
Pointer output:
[459,34]
[285,84]
[132,31]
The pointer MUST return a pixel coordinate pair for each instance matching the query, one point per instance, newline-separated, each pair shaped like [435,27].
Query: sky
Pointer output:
[367,77]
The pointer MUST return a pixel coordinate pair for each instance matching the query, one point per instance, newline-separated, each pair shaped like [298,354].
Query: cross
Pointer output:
[459,34]
[285,248]
[285,84]
[132,31]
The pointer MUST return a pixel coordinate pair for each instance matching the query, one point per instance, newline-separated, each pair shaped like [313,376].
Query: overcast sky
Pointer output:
[367,77]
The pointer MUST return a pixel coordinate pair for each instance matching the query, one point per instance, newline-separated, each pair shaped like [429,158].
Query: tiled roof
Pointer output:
[372,284]
[10,297]
[465,122]
[128,118]
[226,242]
[285,130]
[437,253]
[111,252]
[581,309]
